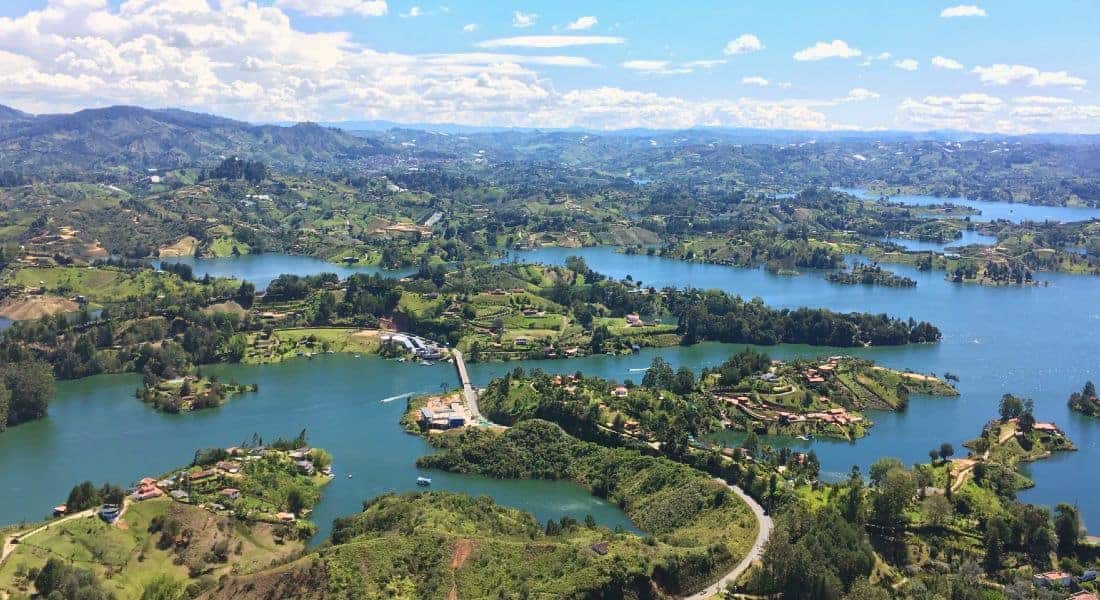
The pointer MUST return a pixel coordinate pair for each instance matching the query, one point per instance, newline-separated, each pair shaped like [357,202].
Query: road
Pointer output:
[467,388]
[764,526]
[9,542]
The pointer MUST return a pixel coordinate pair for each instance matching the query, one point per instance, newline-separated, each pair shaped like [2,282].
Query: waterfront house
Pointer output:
[305,467]
[285,517]
[231,493]
[620,391]
[202,475]
[1052,578]
[109,512]
[59,510]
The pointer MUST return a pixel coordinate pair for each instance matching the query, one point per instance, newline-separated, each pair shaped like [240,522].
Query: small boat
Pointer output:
[349,475]
[802,437]
[425,481]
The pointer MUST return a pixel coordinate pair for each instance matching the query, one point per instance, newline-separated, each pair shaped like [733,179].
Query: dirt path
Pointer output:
[764,530]
[459,555]
[10,543]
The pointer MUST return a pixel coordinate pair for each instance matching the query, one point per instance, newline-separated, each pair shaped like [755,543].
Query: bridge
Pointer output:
[467,388]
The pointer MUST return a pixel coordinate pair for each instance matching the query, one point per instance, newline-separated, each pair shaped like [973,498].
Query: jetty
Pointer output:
[467,388]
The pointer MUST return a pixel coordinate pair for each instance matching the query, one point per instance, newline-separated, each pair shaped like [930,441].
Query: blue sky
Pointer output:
[996,65]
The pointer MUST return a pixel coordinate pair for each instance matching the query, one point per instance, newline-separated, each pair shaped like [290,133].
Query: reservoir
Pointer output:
[1038,342]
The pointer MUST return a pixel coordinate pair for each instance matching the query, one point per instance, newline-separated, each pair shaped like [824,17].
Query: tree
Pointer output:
[936,510]
[946,451]
[163,588]
[881,467]
[295,502]
[1011,407]
[1067,525]
[862,589]
[30,387]
[894,496]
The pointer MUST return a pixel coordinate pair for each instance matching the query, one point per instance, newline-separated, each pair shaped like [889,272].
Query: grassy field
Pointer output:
[98,284]
[287,343]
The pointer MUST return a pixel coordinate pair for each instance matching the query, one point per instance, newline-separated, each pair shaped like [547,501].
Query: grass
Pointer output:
[289,342]
[224,246]
[99,284]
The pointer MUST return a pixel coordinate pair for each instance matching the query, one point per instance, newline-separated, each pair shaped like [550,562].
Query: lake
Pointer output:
[1040,342]
[98,430]
[991,210]
[261,269]
[968,237]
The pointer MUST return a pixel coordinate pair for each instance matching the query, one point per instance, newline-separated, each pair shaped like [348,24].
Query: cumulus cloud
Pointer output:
[941,62]
[249,61]
[746,43]
[963,10]
[551,41]
[875,57]
[582,23]
[755,80]
[824,50]
[858,94]
[1001,74]
[522,19]
[907,64]
[335,8]
[1041,100]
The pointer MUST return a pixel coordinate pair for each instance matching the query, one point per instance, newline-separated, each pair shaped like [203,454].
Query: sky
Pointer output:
[1007,66]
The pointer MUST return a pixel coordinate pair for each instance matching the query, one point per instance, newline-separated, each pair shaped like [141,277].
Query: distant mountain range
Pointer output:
[137,138]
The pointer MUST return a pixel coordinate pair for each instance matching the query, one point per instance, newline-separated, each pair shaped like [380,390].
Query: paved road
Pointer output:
[467,388]
[764,531]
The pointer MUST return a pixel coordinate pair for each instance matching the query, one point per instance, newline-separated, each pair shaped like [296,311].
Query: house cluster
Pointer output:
[1061,579]
[442,413]
[764,412]
[418,346]
[818,375]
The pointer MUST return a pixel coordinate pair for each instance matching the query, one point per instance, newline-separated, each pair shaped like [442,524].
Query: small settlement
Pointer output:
[440,413]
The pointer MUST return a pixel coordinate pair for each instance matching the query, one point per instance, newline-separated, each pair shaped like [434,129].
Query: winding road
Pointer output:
[764,531]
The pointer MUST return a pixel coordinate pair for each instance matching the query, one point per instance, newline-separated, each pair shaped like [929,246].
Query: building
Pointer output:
[620,392]
[231,493]
[1051,578]
[305,467]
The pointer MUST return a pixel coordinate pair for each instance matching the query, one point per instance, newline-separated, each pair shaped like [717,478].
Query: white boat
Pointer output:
[425,481]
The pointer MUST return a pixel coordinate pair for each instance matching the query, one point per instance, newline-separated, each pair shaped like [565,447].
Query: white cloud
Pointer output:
[823,50]
[469,27]
[859,94]
[1001,74]
[745,43]
[963,10]
[755,80]
[941,62]
[414,12]
[335,8]
[875,57]
[655,67]
[522,19]
[705,64]
[551,41]
[583,23]
[1041,100]
[907,64]
[490,58]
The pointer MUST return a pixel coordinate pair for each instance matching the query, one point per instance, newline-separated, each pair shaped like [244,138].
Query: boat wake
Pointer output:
[643,370]
[397,397]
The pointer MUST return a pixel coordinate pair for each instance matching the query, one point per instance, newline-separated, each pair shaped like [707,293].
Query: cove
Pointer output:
[261,269]
[1038,342]
[97,430]
[991,210]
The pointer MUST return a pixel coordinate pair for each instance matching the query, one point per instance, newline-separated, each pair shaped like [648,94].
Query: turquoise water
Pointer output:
[97,430]
[993,210]
[260,269]
[1041,342]
[968,238]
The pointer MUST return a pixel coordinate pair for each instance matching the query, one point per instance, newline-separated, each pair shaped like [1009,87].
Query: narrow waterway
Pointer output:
[991,211]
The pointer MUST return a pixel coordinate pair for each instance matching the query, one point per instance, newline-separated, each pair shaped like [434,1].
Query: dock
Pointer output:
[467,388]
